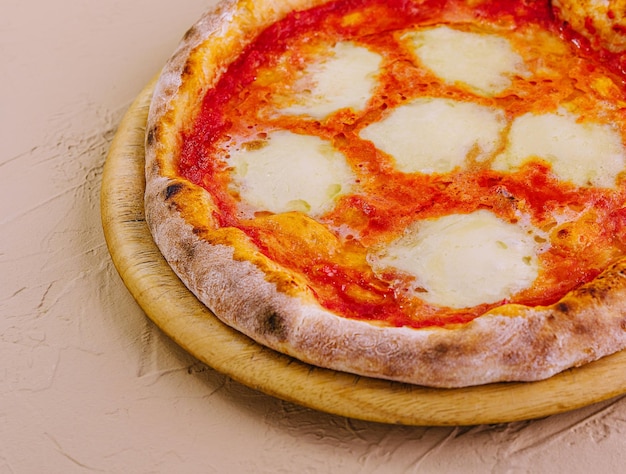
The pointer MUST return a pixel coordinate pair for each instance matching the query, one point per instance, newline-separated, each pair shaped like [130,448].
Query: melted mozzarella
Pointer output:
[290,172]
[343,79]
[462,260]
[586,154]
[437,135]
[483,62]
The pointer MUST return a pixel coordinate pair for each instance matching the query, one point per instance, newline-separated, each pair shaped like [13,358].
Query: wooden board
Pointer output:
[180,315]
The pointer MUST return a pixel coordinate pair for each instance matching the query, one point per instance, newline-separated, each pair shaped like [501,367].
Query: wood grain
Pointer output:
[168,303]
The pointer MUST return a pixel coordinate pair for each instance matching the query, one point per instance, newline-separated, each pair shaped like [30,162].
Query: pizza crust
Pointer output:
[248,292]
[513,343]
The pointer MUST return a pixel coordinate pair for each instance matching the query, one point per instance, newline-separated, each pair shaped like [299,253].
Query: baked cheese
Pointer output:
[583,153]
[463,260]
[485,63]
[435,135]
[342,77]
[290,172]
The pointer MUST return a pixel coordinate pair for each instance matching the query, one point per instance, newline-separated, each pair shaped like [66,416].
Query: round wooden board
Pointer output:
[180,315]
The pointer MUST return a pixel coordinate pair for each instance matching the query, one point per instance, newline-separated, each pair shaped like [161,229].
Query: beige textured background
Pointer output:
[87,384]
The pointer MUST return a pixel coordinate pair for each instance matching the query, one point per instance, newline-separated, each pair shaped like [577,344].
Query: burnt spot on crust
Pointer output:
[200,232]
[154,167]
[188,70]
[593,291]
[189,249]
[582,329]
[190,33]
[272,324]
[172,190]
[438,352]
[561,307]
[152,135]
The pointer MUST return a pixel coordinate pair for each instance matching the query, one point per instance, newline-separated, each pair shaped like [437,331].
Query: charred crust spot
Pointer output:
[593,291]
[152,136]
[199,231]
[190,33]
[154,169]
[437,352]
[441,349]
[581,329]
[273,324]
[589,290]
[189,249]
[172,190]
[187,70]
[562,307]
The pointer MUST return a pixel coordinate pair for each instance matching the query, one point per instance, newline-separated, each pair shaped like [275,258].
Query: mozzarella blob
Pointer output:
[463,260]
[291,172]
[434,135]
[583,153]
[483,62]
[343,79]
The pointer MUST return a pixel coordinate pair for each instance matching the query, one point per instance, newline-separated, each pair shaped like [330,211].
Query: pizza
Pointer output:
[425,191]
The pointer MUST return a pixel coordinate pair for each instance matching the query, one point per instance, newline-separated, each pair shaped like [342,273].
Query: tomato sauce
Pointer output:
[336,268]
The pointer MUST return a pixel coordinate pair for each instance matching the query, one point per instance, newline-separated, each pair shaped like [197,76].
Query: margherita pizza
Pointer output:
[426,191]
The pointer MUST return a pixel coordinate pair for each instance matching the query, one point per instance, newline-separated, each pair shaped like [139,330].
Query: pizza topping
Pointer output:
[483,62]
[603,23]
[433,135]
[452,163]
[342,77]
[463,260]
[287,172]
[584,153]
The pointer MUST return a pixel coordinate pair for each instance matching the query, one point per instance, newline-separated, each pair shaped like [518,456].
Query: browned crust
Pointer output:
[511,343]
